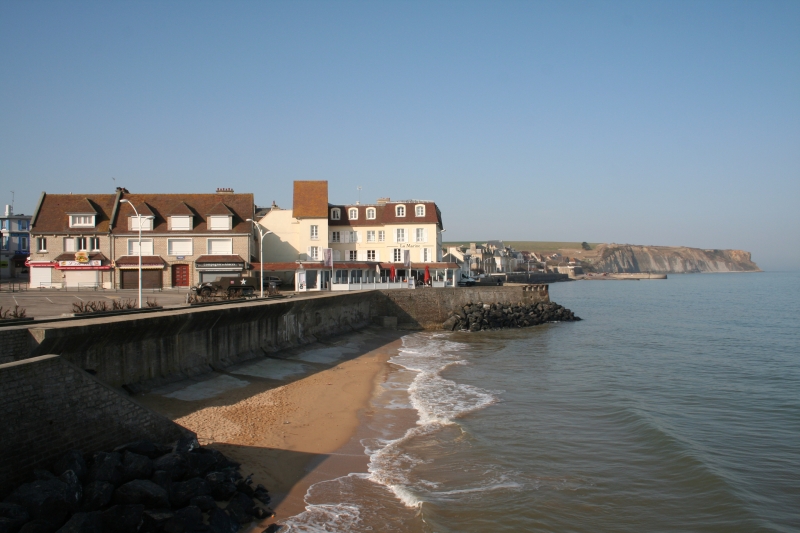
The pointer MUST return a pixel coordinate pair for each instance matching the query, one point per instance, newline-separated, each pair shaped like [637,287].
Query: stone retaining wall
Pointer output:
[50,406]
[14,344]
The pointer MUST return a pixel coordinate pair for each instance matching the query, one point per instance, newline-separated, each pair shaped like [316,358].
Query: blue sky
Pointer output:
[673,123]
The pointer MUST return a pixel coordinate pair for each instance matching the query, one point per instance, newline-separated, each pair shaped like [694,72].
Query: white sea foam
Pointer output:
[328,518]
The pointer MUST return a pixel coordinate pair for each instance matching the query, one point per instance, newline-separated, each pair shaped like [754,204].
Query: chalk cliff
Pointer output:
[669,259]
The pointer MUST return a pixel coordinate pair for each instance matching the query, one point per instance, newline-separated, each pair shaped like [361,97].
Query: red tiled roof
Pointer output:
[220,209]
[52,215]
[240,206]
[180,209]
[310,199]
[386,214]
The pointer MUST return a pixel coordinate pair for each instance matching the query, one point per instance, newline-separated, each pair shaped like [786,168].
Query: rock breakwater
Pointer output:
[482,316]
[141,487]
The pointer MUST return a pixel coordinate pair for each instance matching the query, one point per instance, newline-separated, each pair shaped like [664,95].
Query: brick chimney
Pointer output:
[384,201]
[224,190]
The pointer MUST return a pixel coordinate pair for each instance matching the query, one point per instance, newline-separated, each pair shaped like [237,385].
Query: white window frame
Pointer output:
[135,242]
[419,210]
[336,214]
[41,244]
[400,210]
[336,236]
[214,222]
[352,213]
[69,244]
[419,235]
[175,223]
[352,255]
[381,235]
[397,255]
[94,244]
[147,223]
[371,235]
[371,213]
[81,244]
[400,234]
[370,255]
[81,221]
[313,253]
[427,255]
[208,246]
[314,232]
[171,250]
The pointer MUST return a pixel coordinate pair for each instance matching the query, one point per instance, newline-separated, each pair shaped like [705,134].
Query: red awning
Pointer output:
[149,262]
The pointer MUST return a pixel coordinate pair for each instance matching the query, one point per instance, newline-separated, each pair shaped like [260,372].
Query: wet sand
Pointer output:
[291,421]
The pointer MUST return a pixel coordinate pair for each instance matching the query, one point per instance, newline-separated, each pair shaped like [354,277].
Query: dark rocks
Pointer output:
[12,517]
[142,491]
[175,464]
[153,520]
[261,494]
[221,522]
[241,508]
[106,467]
[135,466]
[273,528]
[72,460]
[83,523]
[38,526]
[97,495]
[49,500]
[204,503]
[181,493]
[482,317]
[186,444]
[123,518]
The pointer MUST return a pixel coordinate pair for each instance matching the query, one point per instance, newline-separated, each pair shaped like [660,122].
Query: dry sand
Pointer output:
[288,433]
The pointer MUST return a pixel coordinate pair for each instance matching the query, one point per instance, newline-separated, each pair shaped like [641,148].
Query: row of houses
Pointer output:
[94,240]
[14,242]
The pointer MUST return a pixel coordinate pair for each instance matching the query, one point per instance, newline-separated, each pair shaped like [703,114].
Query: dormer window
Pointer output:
[371,213]
[420,210]
[336,214]
[81,221]
[352,213]
[147,223]
[180,223]
[400,210]
[219,222]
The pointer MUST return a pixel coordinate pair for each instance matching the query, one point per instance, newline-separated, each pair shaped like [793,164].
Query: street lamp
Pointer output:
[260,250]
[139,218]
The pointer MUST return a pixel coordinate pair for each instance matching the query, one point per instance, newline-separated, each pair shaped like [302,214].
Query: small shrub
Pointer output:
[151,303]
[17,312]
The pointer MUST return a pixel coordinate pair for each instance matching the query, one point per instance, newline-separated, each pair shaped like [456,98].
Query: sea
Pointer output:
[674,405]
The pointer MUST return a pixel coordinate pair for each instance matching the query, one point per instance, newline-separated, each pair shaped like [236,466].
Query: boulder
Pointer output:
[49,500]
[161,478]
[12,517]
[191,517]
[106,467]
[450,323]
[96,495]
[186,444]
[221,522]
[43,475]
[262,494]
[273,528]
[241,508]
[204,503]
[74,488]
[123,518]
[144,492]
[135,466]
[199,464]
[39,526]
[83,523]
[175,464]
[72,460]
[153,520]
[181,493]
[146,448]
[261,513]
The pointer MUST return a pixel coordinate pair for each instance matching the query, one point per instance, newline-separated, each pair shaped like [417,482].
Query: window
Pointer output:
[381,236]
[313,253]
[421,235]
[352,213]
[400,234]
[4,224]
[81,243]
[220,246]
[22,224]
[352,255]
[5,242]
[314,232]
[371,255]
[370,235]
[420,210]
[180,223]
[69,244]
[147,223]
[371,213]
[81,221]
[94,244]
[427,255]
[133,246]
[336,236]
[400,210]
[336,213]
[41,244]
[23,243]
[350,236]
[397,255]
[179,247]
[219,223]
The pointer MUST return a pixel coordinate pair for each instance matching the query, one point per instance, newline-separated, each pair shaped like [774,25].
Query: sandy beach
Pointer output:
[288,418]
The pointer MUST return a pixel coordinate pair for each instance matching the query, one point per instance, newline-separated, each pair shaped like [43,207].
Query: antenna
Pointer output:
[359,194]
[12,202]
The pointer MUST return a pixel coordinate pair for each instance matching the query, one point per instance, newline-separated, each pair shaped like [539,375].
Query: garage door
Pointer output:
[40,277]
[151,279]
[81,278]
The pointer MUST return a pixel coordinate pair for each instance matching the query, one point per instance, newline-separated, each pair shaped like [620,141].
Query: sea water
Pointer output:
[673,406]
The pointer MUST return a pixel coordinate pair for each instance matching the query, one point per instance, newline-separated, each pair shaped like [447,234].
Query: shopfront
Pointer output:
[81,270]
[153,268]
[211,267]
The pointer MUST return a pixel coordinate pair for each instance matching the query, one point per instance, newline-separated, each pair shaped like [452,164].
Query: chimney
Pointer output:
[8,210]
[224,190]
[384,201]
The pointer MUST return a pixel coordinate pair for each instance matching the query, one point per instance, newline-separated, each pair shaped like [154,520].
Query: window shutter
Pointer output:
[356,236]
[377,255]
[395,235]
[337,255]
[362,255]
[308,253]
[346,236]
[425,235]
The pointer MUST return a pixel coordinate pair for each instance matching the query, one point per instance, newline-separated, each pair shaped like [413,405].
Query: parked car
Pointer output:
[466,281]
[272,279]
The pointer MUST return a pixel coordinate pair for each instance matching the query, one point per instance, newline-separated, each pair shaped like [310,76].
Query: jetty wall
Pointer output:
[51,406]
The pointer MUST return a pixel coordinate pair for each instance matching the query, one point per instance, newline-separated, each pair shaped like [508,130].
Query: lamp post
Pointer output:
[139,218]
[260,250]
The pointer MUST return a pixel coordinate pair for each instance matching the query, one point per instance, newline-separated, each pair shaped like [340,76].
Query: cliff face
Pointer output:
[668,259]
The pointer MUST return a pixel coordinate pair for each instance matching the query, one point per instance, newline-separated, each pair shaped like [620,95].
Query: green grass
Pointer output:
[531,246]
